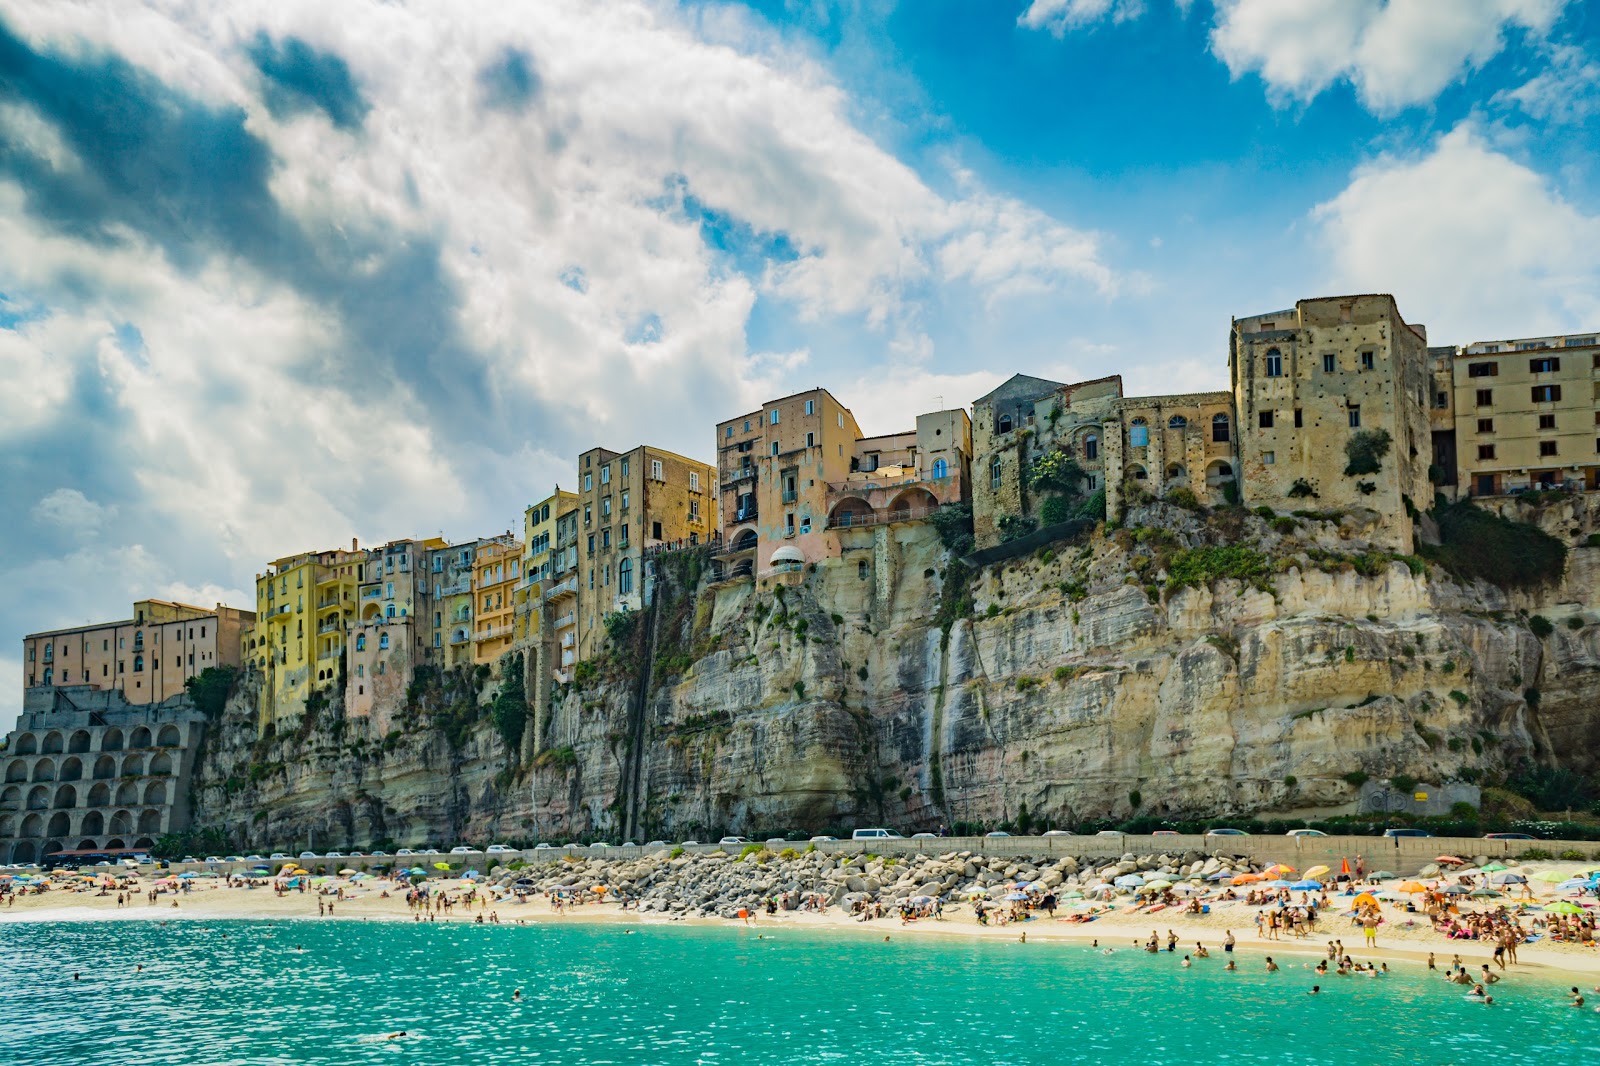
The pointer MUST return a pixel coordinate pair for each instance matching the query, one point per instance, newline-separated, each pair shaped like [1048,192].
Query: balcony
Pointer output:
[459,638]
[330,626]
[373,593]
[732,478]
[857,520]
[747,514]
[456,588]
[492,633]
[566,621]
[790,495]
[327,603]
[278,612]
[328,577]
[569,587]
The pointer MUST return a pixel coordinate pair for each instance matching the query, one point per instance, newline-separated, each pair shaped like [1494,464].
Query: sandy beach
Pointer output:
[1121,928]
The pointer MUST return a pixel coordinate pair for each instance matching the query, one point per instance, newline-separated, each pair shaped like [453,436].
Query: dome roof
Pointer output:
[788,554]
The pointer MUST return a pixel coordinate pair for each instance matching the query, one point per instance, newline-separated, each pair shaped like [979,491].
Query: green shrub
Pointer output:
[1403,782]
[1540,625]
[1025,682]
[1532,696]
[1285,525]
[1477,544]
[1291,781]
[1266,512]
[1198,566]
[1460,697]
[799,690]
[861,672]
[1134,799]
[1055,510]
[1365,451]
[954,524]
[1056,471]
[1182,496]
[1014,527]
[838,619]
[676,852]
[1356,778]
[1301,489]
[1574,622]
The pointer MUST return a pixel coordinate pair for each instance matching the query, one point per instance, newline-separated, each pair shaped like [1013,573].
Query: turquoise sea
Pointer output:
[240,992]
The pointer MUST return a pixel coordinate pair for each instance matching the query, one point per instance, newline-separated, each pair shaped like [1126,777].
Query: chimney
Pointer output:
[353,545]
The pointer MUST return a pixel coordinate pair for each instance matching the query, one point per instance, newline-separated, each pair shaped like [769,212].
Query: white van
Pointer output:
[875,834]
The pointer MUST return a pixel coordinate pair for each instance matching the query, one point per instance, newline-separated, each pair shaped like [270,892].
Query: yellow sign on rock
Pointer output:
[1420,797]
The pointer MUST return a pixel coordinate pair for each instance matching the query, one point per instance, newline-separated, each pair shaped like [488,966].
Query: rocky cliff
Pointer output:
[1185,664]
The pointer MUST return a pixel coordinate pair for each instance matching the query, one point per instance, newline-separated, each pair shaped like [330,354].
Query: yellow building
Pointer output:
[538,539]
[560,588]
[450,571]
[1528,414]
[630,502]
[304,605]
[496,570]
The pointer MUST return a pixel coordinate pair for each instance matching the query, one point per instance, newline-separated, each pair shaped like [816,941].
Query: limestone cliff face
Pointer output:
[890,686]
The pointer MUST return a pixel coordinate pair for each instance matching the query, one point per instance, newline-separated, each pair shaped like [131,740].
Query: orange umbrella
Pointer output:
[1245,879]
[1449,860]
[1413,886]
[1278,868]
[1344,866]
[1366,899]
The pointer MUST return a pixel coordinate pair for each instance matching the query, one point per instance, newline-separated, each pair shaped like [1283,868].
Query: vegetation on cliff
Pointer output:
[1478,545]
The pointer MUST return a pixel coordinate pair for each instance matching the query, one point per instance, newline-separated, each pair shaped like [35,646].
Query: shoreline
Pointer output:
[1121,931]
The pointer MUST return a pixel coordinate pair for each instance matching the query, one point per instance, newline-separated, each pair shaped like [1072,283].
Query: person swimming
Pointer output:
[1315,990]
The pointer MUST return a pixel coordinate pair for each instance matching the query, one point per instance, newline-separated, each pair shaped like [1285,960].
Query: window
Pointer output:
[591,543]
[622,535]
[591,579]
[1219,429]
[1548,365]
[1269,457]
[941,469]
[1546,447]
[1091,447]
[1138,434]
[774,416]
[811,440]
[605,474]
[605,507]
[624,506]
[694,478]
[1355,416]
[624,474]
[1441,400]
[811,407]
[655,470]
[1177,422]
[840,415]
[625,577]
[788,523]
[994,474]
[1003,425]
[1329,361]
[1546,393]
[605,537]
[1547,421]
[588,482]
[1274,363]
[1486,451]
[1483,370]
[1367,360]
[383,642]
[1299,419]
[1485,398]
[694,510]
[730,431]
[1485,425]
[1264,418]
[774,447]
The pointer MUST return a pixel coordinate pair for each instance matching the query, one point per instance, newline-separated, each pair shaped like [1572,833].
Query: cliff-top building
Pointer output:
[146,657]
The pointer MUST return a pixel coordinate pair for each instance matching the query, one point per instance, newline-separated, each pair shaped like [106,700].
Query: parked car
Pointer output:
[254,858]
[496,849]
[573,844]
[1163,832]
[132,864]
[656,844]
[732,842]
[405,851]
[380,855]
[689,844]
[823,840]
[463,849]
[278,855]
[875,834]
[1226,833]
[234,858]
[924,836]
[1509,836]
[1406,833]
[213,858]
[334,855]
[542,847]
[1059,833]
[597,844]
[628,844]
[303,855]
[1305,833]
[1108,833]
[997,833]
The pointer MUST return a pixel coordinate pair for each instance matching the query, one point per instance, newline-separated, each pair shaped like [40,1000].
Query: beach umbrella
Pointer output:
[1247,879]
[1366,899]
[1507,879]
[1448,860]
[1493,867]
[1315,872]
[1016,895]
[1549,875]
[1074,894]
[1129,881]
[1280,883]
[1384,875]
[473,875]
[1158,884]
[346,871]
[1220,875]
[1563,908]
[441,866]
[1412,886]
[921,899]
[1306,886]
[1454,890]
[1279,868]
[977,890]
[1484,890]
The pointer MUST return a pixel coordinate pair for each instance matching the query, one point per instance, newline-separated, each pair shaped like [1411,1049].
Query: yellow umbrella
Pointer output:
[1413,886]
[1315,872]
[1366,899]
[347,870]
[441,866]
[1278,868]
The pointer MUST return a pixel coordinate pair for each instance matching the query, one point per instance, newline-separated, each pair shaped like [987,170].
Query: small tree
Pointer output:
[1056,471]
[1365,449]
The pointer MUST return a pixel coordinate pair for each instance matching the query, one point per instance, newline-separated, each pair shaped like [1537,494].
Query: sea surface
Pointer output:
[305,992]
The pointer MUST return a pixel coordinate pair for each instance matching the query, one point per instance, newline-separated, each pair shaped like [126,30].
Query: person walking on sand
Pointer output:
[1227,942]
[1369,925]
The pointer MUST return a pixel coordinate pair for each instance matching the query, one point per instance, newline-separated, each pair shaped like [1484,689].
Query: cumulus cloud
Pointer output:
[1059,16]
[1565,90]
[282,273]
[72,511]
[1394,52]
[1467,238]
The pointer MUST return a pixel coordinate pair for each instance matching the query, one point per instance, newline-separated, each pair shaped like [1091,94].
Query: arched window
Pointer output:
[1091,447]
[1003,425]
[1274,363]
[1219,429]
[625,577]
[1177,422]
[389,611]
[138,664]
[941,469]
[49,675]
[994,483]
[383,642]
[1138,434]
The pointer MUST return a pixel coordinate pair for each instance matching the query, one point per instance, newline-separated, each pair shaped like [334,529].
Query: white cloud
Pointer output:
[1471,242]
[72,511]
[1395,53]
[1059,16]
[1566,89]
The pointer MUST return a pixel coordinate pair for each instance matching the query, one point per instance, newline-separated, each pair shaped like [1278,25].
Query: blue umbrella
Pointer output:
[1306,886]
[1016,895]
[1221,875]
[1129,881]
[1279,884]
[186,876]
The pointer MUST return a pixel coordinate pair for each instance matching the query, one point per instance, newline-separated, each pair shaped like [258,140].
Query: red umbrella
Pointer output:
[1449,860]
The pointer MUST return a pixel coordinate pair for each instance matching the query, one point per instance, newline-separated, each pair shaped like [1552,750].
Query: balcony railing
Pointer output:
[324,604]
[735,476]
[492,632]
[456,588]
[569,587]
[790,495]
[329,627]
[459,638]
[567,620]
[850,520]
[373,593]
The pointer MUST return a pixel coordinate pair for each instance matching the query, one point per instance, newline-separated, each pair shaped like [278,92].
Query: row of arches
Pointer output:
[93,823]
[100,794]
[73,768]
[80,741]
[916,502]
[31,851]
[1217,473]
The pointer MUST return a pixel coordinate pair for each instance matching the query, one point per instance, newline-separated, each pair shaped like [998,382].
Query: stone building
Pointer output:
[1312,382]
[1528,414]
[450,570]
[1161,443]
[630,501]
[147,657]
[559,611]
[799,470]
[85,769]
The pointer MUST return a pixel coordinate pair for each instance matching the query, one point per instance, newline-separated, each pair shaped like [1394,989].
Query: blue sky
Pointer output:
[275,274]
